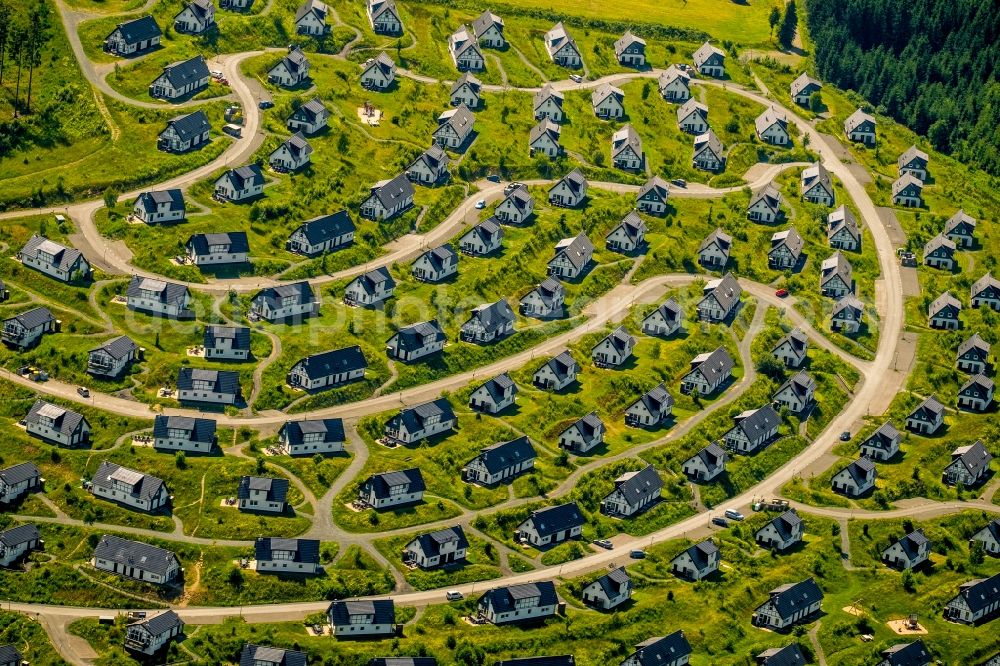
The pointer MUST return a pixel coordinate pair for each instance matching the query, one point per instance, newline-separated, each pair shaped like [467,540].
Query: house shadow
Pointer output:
[131,57]
[469,140]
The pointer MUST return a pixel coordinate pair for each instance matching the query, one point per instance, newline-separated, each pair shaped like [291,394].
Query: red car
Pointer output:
[781,293]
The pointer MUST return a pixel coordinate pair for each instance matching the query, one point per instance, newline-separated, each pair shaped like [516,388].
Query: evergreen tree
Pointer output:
[774,18]
[786,34]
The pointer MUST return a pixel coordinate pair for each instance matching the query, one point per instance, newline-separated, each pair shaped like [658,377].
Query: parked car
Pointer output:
[493,178]
[637,554]
[576,78]
[733,514]
[845,436]
[84,391]
[453,595]
[604,543]
[721,522]
[265,104]
[781,293]
[481,204]
[679,182]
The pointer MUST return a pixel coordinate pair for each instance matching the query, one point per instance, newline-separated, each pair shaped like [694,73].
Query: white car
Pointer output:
[732,514]
[453,595]
[481,204]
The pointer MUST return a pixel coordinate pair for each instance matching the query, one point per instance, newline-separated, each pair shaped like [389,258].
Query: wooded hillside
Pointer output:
[931,64]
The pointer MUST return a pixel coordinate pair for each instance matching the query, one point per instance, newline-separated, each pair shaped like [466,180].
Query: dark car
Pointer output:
[845,436]
[721,522]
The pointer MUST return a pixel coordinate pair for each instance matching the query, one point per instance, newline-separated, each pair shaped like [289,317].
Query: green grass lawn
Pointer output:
[481,563]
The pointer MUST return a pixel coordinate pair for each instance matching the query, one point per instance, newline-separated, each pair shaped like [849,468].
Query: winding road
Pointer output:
[880,382]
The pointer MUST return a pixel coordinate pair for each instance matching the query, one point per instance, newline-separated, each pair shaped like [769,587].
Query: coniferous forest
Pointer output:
[930,64]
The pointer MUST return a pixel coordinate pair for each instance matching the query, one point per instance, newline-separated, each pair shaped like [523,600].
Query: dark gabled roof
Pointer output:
[711,455]
[33,318]
[856,119]
[910,154]
[754,422]
[486,230]
[63,257]
[223,381]
[388,192]
[369,281]
[843,218]
[912,542]
[441,257]
[793,597]
[310,111]
[627,40]
[493,316]
[169,292]
[797,340]
[931,406]
[981,383]
[502,455]
[419,335]
[504,599]
[575,180]
[19,473]
[137,30]
[981,593]
[620,339]
[706,51]
[802,82]
[785,524]
[726,290]
[325,227]
[520,198]
[485,21]
[240,336]
[333,362]
[15,536]
[604,91]
[669,309]
[296,145]
[135,554]
[413,417]
[150,200]
[637,485]
[612,581]
[431,542]
[708,141]
[790,655]
[939,242]
[547,291]
[905,181]
[383,481]
[460,120]
[700,553]
[714,365]
[276,489]
[984,283]
[9,655]
[558,37]
[117,348]
[294,431]
[185,72]
[144,486]
[200,8]
[974,342]
[161,623]
[252,655]
[311,6]
[661,650]
[273,296]
[975,458]
[789,238]
[66,421]
[554,519]
[190,125]
[769,117]
[960,223]
[589,426]
[908,654]
[657,186]
[692,106]
[656,399]
[577,250]
[435,158]
[545,127]
[545,93]
[467,79]
[304,550]
[672,73]
[717,237]
[800,384]
[883,437]
[562,365]
[848,302]
[241,175]
[202,430]
[383,63]
[382,610]
[858,470]
[817,174]
[944,302]
[293,61]
[496,386]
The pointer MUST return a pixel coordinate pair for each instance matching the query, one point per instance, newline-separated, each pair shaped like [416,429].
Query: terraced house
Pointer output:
[112,358]
[183,433]
[214,386]
[412,424]
[328,369]
[551,525]
[634,492]
[57,425]
[500,462]
[133,37]
[384,17]
[311,436]
[287,301]
[231,247]
[185,132]
[159,206]
[518,603]
[26,329]
[388,198]
[159,297]
[180,79]
[562,48]
[389,489]
[416,341]
[134,559]
[370,288]
[129,487]
[63,263]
